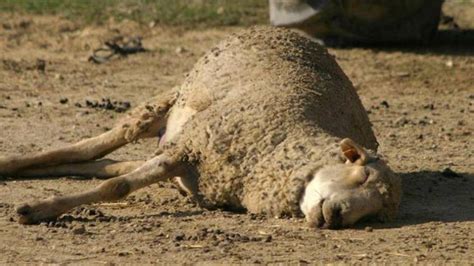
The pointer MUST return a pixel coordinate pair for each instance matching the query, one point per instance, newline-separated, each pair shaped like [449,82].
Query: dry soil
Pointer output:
[419,98]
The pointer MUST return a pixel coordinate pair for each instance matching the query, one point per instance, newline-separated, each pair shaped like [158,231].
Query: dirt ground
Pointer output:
[420,101]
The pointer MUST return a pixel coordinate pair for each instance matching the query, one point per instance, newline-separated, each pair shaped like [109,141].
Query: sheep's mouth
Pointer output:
[331,220]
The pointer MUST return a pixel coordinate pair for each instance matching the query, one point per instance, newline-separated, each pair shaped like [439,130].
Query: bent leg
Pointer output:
[104,168]
[159,168]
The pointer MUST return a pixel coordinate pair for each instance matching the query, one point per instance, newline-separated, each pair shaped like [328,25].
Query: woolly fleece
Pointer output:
[271,106]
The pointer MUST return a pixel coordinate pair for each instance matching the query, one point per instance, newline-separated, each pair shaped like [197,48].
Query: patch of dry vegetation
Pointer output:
[167,12]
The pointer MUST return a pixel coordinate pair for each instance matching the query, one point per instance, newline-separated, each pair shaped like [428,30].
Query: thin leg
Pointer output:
[104,168]
[160,168]
[88,149]
[144,122]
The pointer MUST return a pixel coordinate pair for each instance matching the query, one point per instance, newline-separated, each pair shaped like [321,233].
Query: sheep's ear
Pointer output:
[353,152]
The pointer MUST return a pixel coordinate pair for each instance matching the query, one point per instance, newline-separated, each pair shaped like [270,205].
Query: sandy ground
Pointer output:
[420,100]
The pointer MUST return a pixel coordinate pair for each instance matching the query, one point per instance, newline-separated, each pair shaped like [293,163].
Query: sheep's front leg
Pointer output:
[157,169]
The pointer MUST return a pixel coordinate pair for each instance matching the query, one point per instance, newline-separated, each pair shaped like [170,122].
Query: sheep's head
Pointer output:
[340,195]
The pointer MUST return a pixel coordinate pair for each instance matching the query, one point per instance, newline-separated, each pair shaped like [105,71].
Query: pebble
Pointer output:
[180,50]
[385,104]
[179,237]
[429,106]
[40,65]
[79,230]
[401,121]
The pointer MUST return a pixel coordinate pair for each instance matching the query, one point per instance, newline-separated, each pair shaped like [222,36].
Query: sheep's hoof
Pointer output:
[37,212]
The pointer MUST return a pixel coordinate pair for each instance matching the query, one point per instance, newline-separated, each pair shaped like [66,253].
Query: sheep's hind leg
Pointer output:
[146,121]
[104,168]
[160,168]
[85,150]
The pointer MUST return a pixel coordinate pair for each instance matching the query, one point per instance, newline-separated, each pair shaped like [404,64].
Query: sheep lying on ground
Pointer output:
[265,122]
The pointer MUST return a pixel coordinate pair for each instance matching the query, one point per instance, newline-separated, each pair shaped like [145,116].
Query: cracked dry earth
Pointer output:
[420,101]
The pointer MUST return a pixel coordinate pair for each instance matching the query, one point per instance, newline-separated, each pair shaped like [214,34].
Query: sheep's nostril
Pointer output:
[315,216]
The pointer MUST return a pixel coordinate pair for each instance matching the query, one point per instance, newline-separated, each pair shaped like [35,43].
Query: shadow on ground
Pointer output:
[434,196]
[437,196]
[454,42]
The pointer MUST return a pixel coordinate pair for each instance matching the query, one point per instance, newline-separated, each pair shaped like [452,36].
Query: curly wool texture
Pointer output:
[271,106]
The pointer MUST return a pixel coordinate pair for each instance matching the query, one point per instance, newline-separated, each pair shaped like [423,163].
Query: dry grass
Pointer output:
[204,13]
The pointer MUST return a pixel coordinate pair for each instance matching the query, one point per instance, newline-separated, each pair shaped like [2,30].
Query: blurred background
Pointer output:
[190,13]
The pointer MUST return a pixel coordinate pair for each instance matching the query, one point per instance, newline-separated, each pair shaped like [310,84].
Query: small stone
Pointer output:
[63,100]
[40,65]
[179,237]
[401,121]
[180,50]
[268,239]
[79,230]
[368,229]
[385,104]
[255,239]
[429,106]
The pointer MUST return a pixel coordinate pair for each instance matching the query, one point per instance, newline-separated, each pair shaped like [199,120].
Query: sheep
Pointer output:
[266,122]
